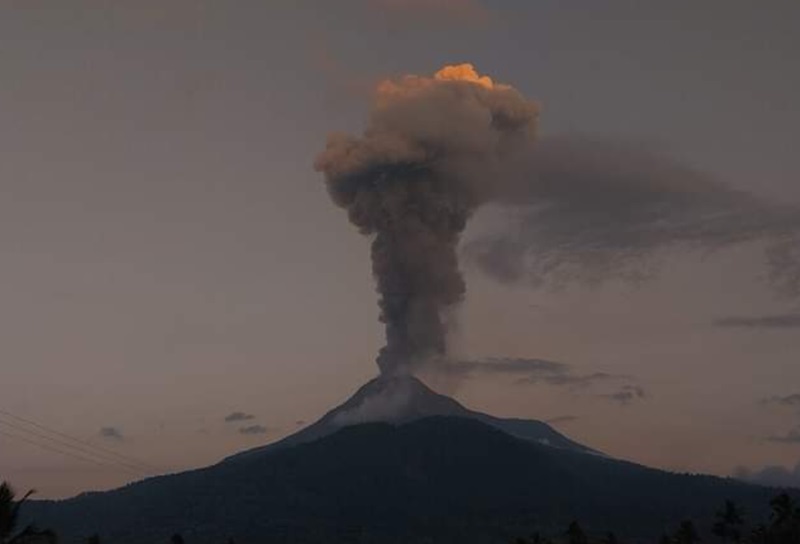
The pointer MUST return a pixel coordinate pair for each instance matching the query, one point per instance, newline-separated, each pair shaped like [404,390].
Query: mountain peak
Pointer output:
[394,399]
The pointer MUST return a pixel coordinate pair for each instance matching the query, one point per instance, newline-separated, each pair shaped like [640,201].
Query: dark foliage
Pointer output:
[9,521]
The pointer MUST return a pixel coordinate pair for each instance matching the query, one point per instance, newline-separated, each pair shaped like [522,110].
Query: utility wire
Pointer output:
[65,452]
[83,444]
[85,452]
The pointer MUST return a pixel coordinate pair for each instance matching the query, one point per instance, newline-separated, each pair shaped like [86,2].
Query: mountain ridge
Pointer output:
[404,398]
[435,479]
[399,463]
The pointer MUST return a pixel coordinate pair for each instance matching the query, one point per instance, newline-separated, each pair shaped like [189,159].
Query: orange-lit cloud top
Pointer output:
[464,72]
[457,110]
[411,84]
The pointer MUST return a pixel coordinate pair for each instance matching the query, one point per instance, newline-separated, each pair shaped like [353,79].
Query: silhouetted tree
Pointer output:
[785,522]
[686,533]
[538,538]
[9,517]
[728,524]
[94,539]
[176,539]
[610,538]
[575,534]
[783,508]
[759,534]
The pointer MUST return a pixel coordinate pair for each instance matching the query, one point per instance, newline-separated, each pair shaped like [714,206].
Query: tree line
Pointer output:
[730,526]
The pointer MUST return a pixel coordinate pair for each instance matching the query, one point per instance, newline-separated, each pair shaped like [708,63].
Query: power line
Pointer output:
[64,452]
[64,444]
[83,444]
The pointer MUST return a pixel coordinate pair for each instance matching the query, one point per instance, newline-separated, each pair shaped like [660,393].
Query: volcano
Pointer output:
[398,463]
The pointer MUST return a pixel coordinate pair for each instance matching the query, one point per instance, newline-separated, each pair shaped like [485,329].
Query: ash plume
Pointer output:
[409,182]
[573,209]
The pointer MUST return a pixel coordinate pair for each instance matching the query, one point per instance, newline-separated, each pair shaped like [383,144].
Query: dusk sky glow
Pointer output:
[177,285]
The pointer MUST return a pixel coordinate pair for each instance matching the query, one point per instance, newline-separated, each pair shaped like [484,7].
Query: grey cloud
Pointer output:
[561,419]
[626,394]
[587,211]
[792,437]
[506,365]
[771,475]
[780,321]
[529,371]
[253,429]
[787,400]
[575,380]
[111,433]
[238,416]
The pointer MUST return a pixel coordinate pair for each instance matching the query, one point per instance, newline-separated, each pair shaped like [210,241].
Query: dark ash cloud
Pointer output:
[410,181]
[792,437]
[111,433]
[781,321]
[786,400]
[770,475]
[238,416]
[626,395]
[253,429]
[561,419]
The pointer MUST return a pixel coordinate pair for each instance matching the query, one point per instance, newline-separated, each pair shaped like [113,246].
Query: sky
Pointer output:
[177,285]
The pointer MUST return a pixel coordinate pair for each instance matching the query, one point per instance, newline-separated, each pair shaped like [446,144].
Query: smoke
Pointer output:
[574,209]
[587,211]
[410,182]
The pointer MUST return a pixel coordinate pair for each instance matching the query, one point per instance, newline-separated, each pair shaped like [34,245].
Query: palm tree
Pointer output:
[9,517]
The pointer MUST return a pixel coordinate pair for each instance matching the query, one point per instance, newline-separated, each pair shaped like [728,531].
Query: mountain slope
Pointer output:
[437,479]
[401,399]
